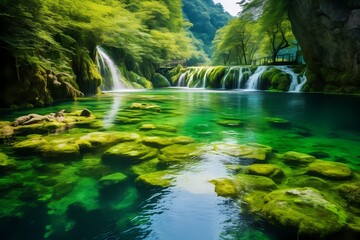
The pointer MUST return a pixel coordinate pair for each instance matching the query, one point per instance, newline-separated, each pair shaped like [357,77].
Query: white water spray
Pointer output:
[253,81]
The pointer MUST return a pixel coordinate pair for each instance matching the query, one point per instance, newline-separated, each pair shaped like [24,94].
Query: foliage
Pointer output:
[206,18]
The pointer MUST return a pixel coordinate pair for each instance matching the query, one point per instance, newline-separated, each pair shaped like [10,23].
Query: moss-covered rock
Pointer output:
[128,153]
[155,179]
[305,210]
[278,122]
[6,163]
[268,170]
[30,145]
[60,149]
[146,167]
[332,170]
[245,183]
[159,81]
[296,158]
[160,142]
[351,192]
[147,127]
[179,153]
[112,180]
[307,181]
[145,106]
[128,120]
[230,123]
[224,187]
[252,151]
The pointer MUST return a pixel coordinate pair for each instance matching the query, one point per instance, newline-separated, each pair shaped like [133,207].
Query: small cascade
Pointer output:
[228,71]
[204,78]
[242,71]
[108,69]
[182,79]
[303,80]
[295,85]
[253,81]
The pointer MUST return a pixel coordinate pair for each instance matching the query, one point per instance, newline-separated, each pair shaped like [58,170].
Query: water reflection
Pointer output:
[109,119]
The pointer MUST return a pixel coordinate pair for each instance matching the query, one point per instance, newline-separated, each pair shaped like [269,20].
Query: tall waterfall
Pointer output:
[254,79]
[108,69]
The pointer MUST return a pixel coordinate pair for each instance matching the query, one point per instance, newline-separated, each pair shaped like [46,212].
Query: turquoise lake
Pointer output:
[61,198]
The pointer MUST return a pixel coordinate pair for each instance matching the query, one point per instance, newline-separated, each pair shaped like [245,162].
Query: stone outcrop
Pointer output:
[329,35]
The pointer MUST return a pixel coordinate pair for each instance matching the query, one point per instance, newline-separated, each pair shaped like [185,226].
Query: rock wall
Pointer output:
[328,32]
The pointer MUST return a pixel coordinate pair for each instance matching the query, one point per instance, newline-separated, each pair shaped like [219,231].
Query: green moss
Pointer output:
[296,158]
[160,81]
[155,179]
[245,183]
[112,180]
[215,76]
[179,153]
[332,170]
[268,170]
[224,187]
[146,167]
[250,151]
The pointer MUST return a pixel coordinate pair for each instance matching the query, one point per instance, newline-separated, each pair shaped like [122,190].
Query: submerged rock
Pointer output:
[297,158]
[128,153]
[332,170]
[112,180]
[5,163]
[351,192]
[155,179]
[224,187]
[278,122]
[268,170]
[249,151]
[61,149]
[230,123]
[178,153]
[30,145]
[160,142]
[147,127]
[305,210]
[145,106]
[85,113]
[146,167]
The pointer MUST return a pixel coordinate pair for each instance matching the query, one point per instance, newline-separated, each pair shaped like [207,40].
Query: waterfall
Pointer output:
[243,70]
[106,66]
[254,79]
[204,78]
[303,80]
[295,85]
[182,78]
[225,77]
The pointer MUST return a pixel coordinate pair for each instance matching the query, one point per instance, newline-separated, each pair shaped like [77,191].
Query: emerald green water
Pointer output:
[35,198]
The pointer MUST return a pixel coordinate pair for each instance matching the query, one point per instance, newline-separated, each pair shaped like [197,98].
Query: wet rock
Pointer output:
[278,122]
[155,179]
[41,128]
[306,210]
[128,120]
[160,142]
[145,106]
[146,167]
[182,140]
[230,123]
[179,153]
[332,170]
[296,158]
[147,127]
[85,113]
[5,163]
[351,192]
[268,170]
[224,187]
[112,180]
[252,151]
[30,145]
[308,181]
[128,153]
[245,183]
[61,149]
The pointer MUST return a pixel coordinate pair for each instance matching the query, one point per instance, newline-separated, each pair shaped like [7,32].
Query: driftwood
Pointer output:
[35,118]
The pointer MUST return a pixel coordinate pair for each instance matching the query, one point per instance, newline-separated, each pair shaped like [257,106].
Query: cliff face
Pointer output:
[329,33]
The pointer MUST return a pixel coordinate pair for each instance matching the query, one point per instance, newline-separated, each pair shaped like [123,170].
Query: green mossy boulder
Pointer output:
[30,145]
[146,167]
[244,151]
[281,81]
[155,179]
[159,81]
[160,142]
[128,120]
[224,187]
[41,128]
[112,180]
[245,183]
[5,163]
[351,192]
[296,158]
[307,181]
[61,149]
[267,170]
[278,122]
[306,210]
[230,123]
[145,106]
[128,153]
[147,127]
[331,170]
[179,153]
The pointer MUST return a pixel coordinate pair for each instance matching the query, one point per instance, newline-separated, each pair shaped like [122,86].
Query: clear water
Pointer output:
[188,209]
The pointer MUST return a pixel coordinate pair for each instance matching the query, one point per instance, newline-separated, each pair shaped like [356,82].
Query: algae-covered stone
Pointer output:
[147,127]
[278,122]
[230,123]
[182,140]
[160,142]
[178,153]
[224,187]
[252,152]
[128,153]
[155,179]
[351,192]
[244,183]
[145,106]
[332,170]
[32,144]
[5,162]
[61,148]
[146,167]
[112,179]
[128,120]
[268,170]
[307,181]
[305,210]
[297,158]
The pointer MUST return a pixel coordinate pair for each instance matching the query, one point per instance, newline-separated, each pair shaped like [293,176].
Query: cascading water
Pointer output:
[242,72]
[182,78]
[253,81]
[108,69]
[204,78]
[295,85]
[303,80]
